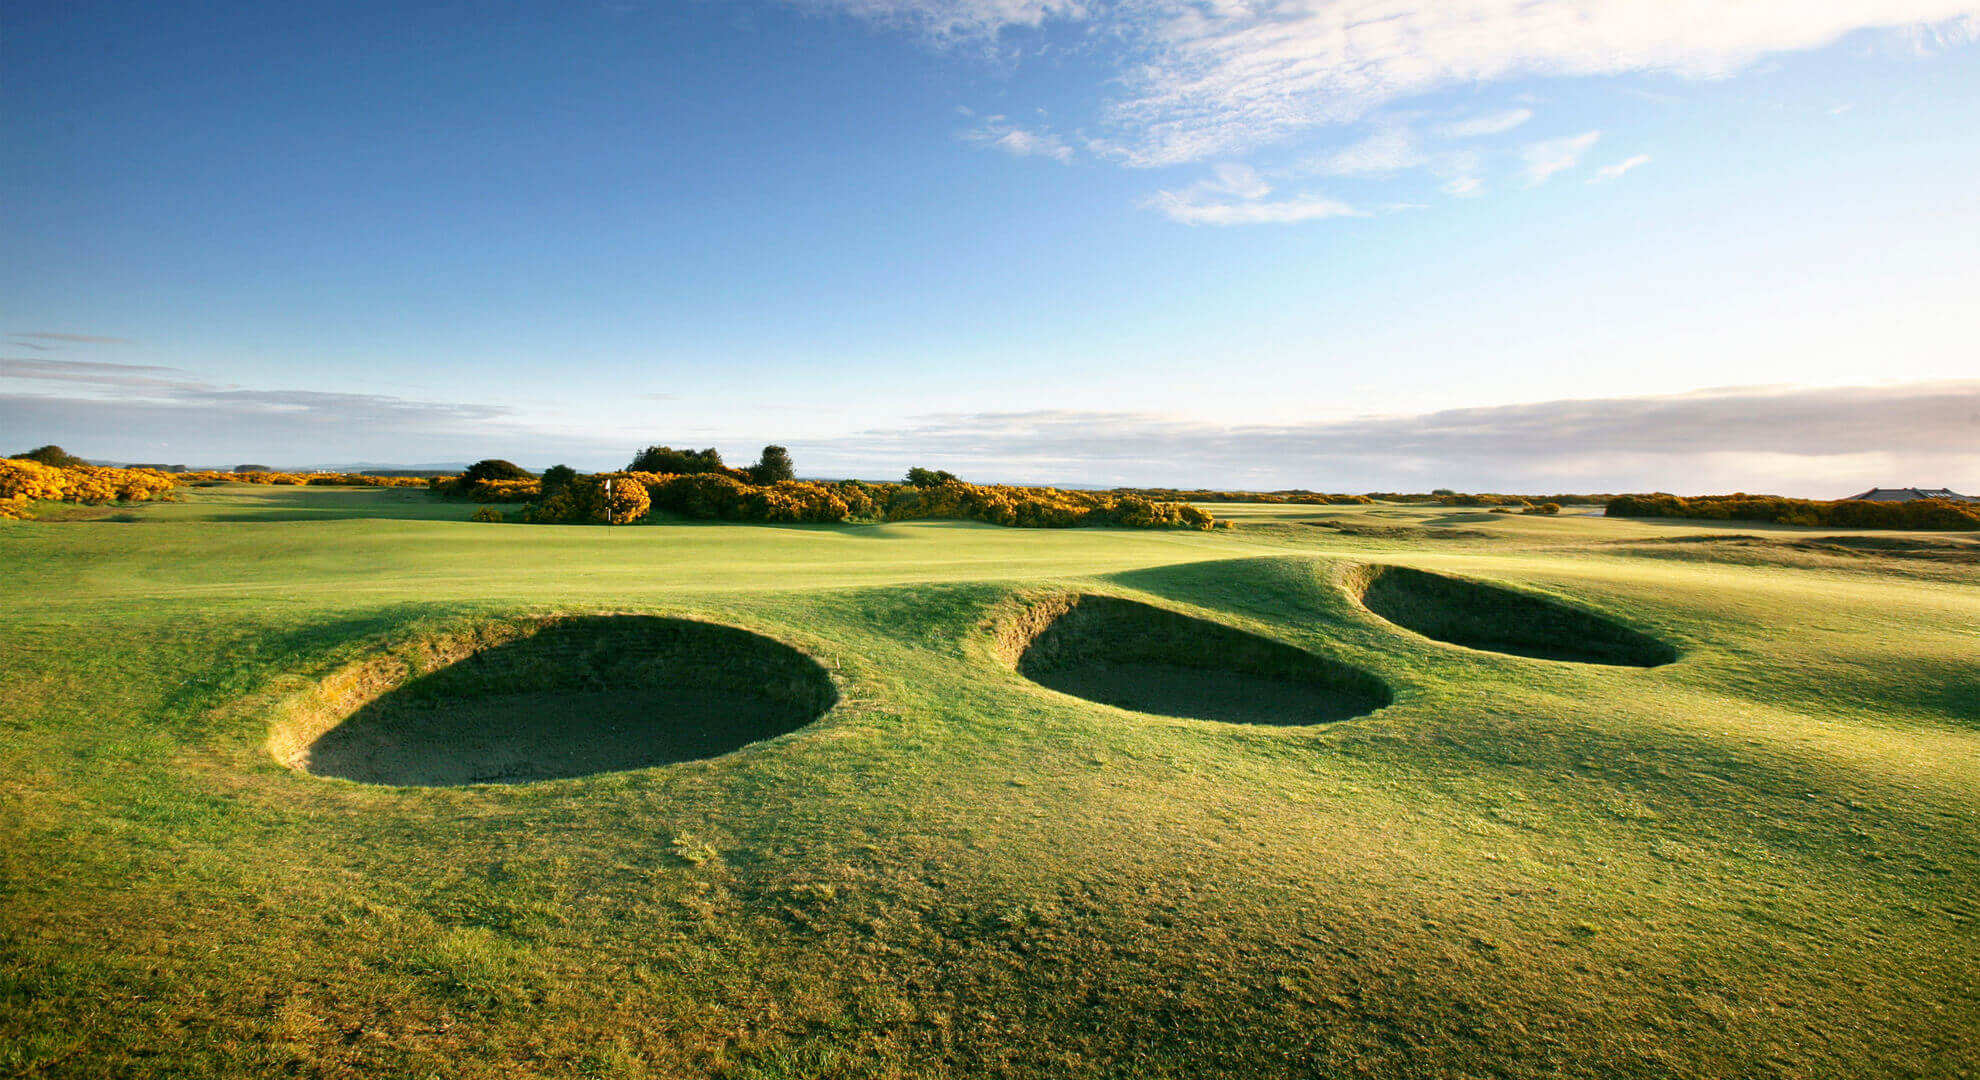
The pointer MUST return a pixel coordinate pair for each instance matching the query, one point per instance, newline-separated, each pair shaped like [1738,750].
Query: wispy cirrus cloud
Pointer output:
[126,376]
[1380,154]
[1237,195]
[80,339]
[1545,158]
[997,133]
[1206,80]
[1219,79]
[1611,172]
[948,22]
[89,401]
[1495,123]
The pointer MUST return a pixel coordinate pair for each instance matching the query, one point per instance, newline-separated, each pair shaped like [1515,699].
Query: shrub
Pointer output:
[24,481]
[556,478]
[1921,514]
[704,495]
[486,491]
[493,469]
[773,467]
[1295,496]
[921,478]
[1543,508]
[486,513]
[722,497]
[584,499]
[555,510]
[666,459]
[51,455]
[625,503]
[208,478]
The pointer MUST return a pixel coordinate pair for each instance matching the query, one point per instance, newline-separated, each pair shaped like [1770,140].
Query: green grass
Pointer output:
[1761,860]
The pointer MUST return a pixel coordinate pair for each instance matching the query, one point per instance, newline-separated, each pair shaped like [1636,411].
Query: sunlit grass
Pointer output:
[1759,860]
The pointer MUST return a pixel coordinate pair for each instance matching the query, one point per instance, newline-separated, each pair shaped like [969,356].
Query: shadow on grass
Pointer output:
[1147,659]
[1493,619]
[580,695]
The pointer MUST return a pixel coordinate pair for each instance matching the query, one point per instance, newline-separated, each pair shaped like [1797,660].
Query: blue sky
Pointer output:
[1340,244]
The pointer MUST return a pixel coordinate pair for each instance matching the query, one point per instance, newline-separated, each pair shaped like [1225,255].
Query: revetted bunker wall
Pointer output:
[1494,619]
[1052,641]
[556,697]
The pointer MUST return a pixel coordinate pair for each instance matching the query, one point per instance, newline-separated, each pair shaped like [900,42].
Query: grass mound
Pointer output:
[555,698]
[1481,616]
[1146,659]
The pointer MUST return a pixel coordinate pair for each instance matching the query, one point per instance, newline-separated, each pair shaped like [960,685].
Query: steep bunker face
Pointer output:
[1145,659]
[1480,616]
[567,697]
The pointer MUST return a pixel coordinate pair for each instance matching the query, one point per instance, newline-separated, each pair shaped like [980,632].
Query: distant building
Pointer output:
[1911,494]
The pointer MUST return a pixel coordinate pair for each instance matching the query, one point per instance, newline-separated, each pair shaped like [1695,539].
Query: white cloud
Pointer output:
[1214,78]
[146,412]
[1235,195]
[1544,159]
[1242,181]
[1194,211]
[949,21]
[1821,442]
[1497,123]
[999,134]
[1379,154]
[1610,172]
[1464,187]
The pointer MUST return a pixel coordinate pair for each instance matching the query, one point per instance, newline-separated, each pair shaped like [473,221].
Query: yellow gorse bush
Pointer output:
[23,483]
[312,479]
[721,497]
[585,500]
[504,491]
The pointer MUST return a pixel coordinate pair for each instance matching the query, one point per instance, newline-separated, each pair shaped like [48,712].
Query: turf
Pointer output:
[1759,860]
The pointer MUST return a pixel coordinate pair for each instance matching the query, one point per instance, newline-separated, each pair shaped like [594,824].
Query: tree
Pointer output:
[666,459]
[773,466]
[555,479]
[51,455]
[921,478]
[492,469]
[252,468]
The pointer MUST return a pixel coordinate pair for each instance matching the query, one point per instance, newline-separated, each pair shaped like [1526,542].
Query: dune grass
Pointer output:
[1760,860]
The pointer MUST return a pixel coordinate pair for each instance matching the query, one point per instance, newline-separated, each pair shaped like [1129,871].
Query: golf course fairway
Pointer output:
[816,814]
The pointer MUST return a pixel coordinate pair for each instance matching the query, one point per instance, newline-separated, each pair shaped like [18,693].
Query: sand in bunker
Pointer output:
[1491,618]
[515,738]
[1228,696]
[543,699]
[1146,659]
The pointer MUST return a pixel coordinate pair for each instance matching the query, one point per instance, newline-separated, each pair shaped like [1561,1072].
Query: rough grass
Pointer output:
[1759,861]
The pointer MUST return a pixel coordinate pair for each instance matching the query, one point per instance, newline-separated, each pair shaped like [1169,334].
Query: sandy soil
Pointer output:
[1206,694]
[515,738]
